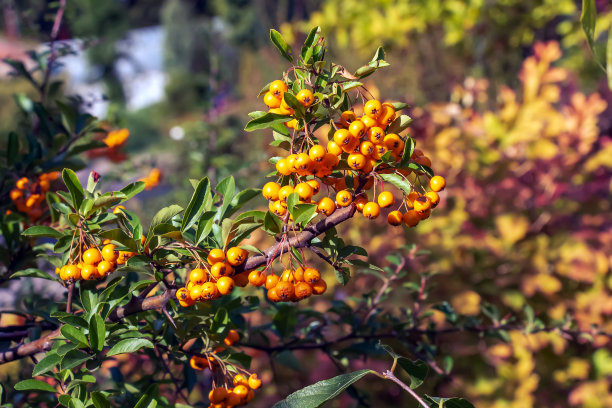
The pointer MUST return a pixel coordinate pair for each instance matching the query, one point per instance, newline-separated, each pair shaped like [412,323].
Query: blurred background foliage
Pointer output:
[508,102]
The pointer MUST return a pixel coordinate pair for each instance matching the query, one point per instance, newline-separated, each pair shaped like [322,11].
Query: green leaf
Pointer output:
[436,402]
[73,358]
[97,332]
[272,224]
[294,104]
[42,231]
[316,395]
[378,55]
[417,370]
[74,187]
[399,124]
[241,199]
[147,401]
[266,121]
[100,400]
[105,201]
[292,200]
[303,213]
[76,403]
[281,44]
[129,346]
[408,150]
[205,225]
[73,334]
[220,321]
[398,181]
[196,204]
[46,364]
[588,18]
[32,273]
[399,105]
[347,86]
[88,299]
[163,216]
[131,190]
[27,385]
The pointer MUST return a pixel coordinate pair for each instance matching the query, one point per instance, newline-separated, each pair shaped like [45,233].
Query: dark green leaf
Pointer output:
[73,358]
[281,44]
[163,216]
[436,402]
[196,204]
[303,213]
[100,400]
[588,18]
[129,346]
[42,231]
[316,395]
[37,385]
[32,273]
[398,181]
[399,124]
[46,364]
[266,121]
[74,187]
[131,190]
[97,332]
[417,370]
[73,334]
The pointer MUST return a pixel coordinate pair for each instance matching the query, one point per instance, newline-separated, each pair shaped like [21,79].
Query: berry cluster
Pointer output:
[236,390]
[295,285]
[29,195]
[94,263]
[216,279]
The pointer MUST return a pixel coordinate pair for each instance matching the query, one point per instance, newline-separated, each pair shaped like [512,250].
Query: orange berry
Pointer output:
[437,183]
[298,274]
[302,161]
[278,208]
[317,153]
[376,135]
[395,218]
[257,278]
[422,204]
[272,295]
[347,118]
[287,276]
[217,395]
[371,210]
[241,391]
[330,160]
[209,291]
[92,256]
[231,338]
[304,191]
[387,115]
[108,253]
[425,214]
[225,285]
[270,191]
[271,100]
[356,161]
[278,88]
[326,206]
[311,275]
[197,276]
[254,382]
[282,166]
[344,198]
[360,201]
[342,137]
[357,129]
[433,197]
[184,297]
[285,291]
[195,293]
[393,142]
[302,290]
[22,183]
[220,269]
[315,185]
[199,363]
[284,193]
[236,256]
[240,379]
[89,272]
[373,108]
[386,199]
[366,148]
[379,151]
[104,268]
[215,255]
[368,122]
[412,218]
[319,287]
[305,97]
[241,279]
[334,148]
[271,281]
[16,194]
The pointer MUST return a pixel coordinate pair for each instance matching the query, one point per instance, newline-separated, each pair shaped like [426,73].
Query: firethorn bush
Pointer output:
[184,311]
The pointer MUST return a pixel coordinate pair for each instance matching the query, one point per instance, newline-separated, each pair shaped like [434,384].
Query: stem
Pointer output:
[390,376]
[69,300]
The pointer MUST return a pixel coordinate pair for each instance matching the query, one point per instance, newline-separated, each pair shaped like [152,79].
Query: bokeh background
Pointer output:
[508,101]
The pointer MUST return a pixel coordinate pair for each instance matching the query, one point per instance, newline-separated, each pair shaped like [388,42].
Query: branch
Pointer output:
[389,375]
[137,305]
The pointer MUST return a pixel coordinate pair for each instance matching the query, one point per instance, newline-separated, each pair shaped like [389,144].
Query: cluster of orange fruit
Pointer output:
[275,100]
[94,263]
[217,279]
[277,195]
[241,386]
[295,285]
[29,195]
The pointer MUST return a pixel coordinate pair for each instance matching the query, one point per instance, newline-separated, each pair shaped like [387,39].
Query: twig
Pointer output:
[384,288]
[69,300]
[389,375]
